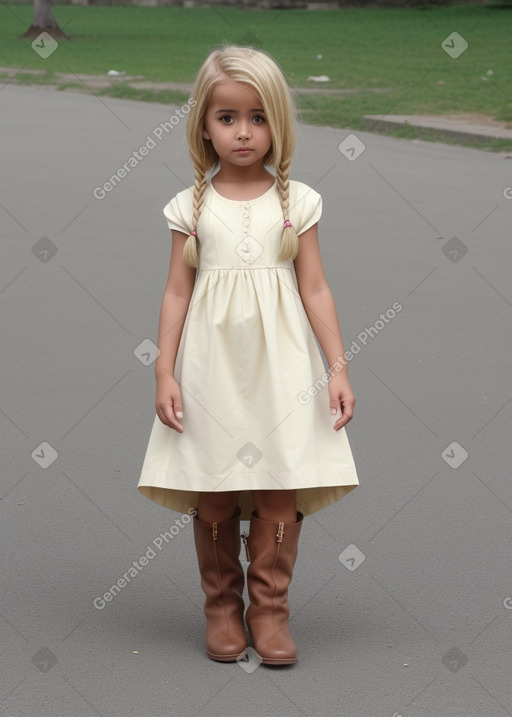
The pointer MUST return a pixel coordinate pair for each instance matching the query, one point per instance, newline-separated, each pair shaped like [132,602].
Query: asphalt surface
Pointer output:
[415,618]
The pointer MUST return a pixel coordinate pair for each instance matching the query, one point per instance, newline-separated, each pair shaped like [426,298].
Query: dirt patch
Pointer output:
[139,82]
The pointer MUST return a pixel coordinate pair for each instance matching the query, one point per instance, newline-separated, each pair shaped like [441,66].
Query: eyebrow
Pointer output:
[261,110]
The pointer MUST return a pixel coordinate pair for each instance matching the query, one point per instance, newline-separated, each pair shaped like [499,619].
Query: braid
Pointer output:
[190,254]
[289,238]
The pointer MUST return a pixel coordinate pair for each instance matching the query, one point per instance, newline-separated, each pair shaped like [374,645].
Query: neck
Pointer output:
[242,175]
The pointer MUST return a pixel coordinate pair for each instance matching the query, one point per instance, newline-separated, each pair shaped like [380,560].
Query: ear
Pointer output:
[205,133]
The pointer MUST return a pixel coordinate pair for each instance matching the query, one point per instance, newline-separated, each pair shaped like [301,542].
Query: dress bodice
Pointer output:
[243,234]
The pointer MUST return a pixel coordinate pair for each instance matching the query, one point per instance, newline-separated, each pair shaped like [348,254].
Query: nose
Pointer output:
[243,130]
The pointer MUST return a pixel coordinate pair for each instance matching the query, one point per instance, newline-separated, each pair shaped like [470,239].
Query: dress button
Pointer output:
[246,214]
[246,223]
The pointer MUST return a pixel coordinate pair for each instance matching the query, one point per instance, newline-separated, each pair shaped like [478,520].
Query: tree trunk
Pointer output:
[43,22]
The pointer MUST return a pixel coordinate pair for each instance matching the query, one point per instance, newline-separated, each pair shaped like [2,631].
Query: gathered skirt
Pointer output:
[255,399]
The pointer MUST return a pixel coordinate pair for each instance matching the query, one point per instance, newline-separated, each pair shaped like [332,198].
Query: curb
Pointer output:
[440,127]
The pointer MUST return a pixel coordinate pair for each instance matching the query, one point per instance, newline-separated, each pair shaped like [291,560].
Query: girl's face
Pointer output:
[236,125]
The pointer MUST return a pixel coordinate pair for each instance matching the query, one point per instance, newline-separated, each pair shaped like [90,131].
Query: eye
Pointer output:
[226,119]
[258,119]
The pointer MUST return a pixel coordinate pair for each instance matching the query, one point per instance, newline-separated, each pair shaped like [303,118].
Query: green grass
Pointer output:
[361,49]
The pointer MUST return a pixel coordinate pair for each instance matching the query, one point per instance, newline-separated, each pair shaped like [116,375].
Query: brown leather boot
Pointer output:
[222,581]
[272,550]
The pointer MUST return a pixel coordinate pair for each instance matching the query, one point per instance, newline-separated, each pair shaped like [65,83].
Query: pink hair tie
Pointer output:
[287,223]
[193,233]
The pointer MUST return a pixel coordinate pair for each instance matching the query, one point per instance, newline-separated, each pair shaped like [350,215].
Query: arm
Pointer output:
[321,312]
[173,312]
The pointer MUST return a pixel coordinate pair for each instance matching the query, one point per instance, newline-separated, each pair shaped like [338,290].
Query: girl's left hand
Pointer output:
[341,398]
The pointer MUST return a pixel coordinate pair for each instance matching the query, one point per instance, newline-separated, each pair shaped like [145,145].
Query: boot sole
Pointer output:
[283,661]
[224,658]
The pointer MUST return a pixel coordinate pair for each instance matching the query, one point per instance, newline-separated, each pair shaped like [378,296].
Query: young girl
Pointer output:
[244,429]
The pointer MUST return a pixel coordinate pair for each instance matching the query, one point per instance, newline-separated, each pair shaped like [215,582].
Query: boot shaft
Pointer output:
[273,550]
[222,581]
[218,550]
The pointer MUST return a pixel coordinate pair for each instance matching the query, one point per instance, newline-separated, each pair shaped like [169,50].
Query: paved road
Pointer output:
[415,619]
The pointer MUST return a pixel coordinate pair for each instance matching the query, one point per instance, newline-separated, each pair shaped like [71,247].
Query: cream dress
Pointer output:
[255,407]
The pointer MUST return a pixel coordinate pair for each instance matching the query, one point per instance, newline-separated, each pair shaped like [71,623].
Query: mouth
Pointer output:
[243,150]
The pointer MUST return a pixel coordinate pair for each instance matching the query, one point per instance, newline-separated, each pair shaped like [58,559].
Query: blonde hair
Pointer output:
[260,71]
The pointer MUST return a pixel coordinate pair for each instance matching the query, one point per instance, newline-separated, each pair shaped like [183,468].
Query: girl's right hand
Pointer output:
[168,403]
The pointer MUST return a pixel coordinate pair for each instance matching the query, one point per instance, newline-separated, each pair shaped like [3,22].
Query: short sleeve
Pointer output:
[179,212]
[305,206]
